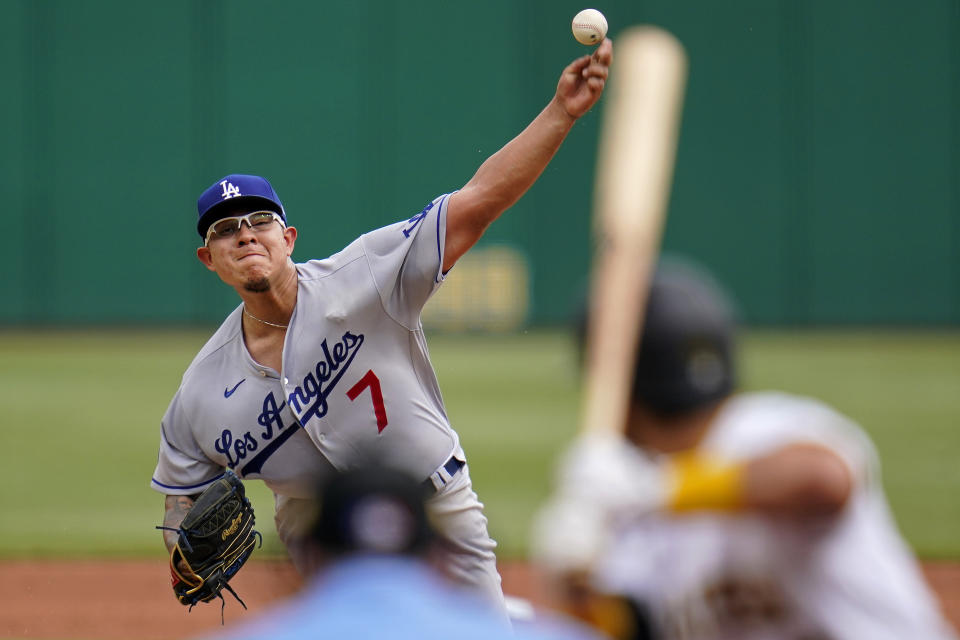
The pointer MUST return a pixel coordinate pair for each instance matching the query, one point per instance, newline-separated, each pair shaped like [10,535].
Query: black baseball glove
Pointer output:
[216,539]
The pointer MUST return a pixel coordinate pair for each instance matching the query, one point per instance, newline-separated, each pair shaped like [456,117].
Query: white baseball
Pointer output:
[589,27]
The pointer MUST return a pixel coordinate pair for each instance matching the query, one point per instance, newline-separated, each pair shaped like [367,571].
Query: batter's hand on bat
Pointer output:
[582,82]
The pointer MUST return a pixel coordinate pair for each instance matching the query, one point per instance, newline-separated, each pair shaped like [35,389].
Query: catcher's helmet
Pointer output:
[686,356]
[372,509]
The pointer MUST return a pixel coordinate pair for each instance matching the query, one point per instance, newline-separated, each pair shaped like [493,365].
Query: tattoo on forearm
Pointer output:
[176,509]
[182,504]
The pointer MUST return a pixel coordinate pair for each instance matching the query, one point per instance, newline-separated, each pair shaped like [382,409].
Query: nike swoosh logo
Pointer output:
[229,392]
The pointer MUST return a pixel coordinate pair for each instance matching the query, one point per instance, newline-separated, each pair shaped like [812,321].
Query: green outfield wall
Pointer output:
[817,171]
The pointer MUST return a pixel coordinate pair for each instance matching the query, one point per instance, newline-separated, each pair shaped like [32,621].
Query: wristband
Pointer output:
[702,483]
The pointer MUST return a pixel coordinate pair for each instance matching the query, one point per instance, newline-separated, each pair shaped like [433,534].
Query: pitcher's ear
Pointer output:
[203,254]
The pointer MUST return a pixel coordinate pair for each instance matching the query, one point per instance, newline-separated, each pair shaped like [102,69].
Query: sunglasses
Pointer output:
[228,227]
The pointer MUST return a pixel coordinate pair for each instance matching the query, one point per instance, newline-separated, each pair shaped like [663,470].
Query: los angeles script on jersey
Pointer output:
[308,400]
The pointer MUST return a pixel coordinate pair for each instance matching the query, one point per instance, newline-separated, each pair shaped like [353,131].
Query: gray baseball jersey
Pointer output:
[356,376]
[356,386]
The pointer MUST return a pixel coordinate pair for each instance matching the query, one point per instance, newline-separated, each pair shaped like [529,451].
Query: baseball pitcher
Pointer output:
[324,365]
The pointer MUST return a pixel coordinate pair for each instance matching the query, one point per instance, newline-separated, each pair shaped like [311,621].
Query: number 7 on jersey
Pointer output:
[371,380]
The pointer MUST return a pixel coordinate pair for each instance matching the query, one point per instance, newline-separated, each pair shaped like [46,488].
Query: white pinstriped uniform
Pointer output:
[357,385]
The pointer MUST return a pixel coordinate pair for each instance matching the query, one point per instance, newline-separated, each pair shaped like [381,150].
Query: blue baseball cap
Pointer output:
[235,189]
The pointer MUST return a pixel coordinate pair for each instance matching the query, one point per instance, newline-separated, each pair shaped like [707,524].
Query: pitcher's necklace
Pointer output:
[272,324]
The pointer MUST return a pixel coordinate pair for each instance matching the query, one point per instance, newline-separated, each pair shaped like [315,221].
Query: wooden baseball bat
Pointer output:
[634,174]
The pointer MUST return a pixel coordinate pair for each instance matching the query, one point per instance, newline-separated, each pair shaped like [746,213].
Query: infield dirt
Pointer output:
[114,599]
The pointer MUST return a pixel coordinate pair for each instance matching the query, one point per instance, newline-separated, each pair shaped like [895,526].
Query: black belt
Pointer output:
[436,481]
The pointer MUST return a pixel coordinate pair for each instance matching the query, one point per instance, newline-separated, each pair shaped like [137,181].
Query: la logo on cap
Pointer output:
[229,190]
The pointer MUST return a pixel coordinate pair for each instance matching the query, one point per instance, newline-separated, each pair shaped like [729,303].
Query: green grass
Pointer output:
[81,412]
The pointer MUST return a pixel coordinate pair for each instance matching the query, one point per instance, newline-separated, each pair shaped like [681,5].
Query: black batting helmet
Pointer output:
[686,356]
